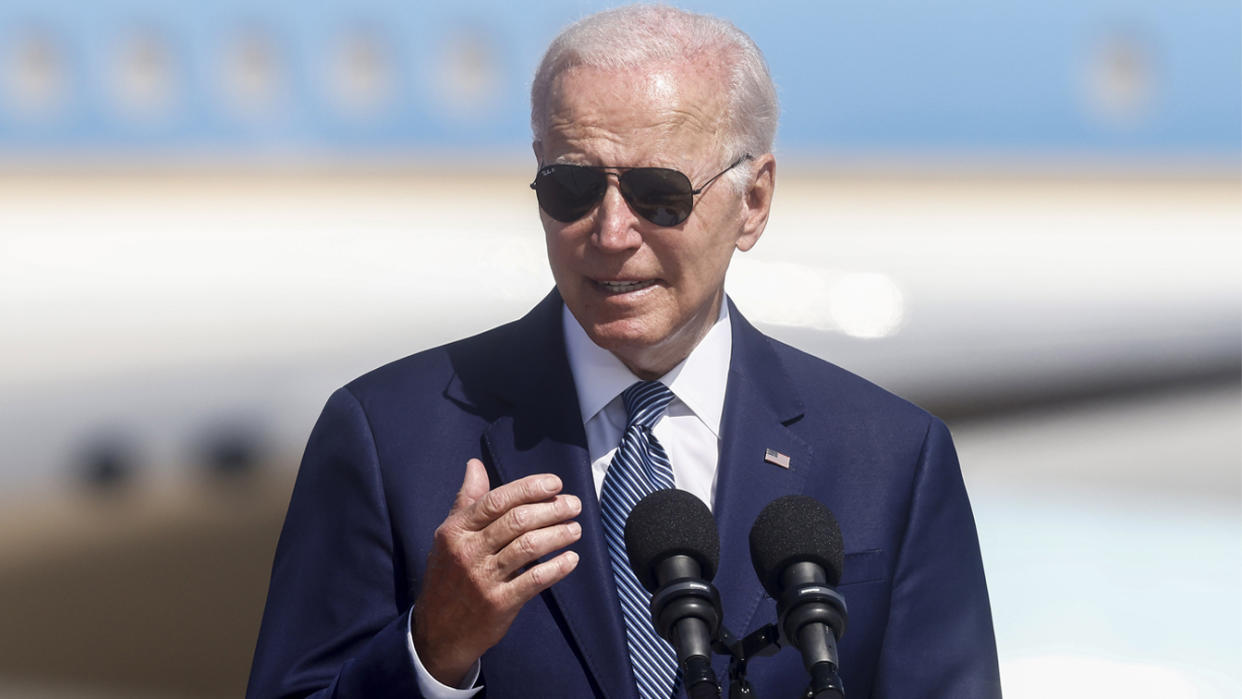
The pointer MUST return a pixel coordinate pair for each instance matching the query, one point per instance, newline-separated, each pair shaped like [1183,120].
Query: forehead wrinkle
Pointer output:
[664,117]
[585,140]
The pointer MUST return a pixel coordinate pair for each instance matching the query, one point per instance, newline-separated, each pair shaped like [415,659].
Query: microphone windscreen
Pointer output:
[792,529]
[667,523]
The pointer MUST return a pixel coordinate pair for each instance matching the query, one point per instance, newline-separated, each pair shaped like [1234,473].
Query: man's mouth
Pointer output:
[624,287]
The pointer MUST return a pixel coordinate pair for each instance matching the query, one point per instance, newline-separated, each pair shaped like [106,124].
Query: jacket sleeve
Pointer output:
[939,641]
[336,614]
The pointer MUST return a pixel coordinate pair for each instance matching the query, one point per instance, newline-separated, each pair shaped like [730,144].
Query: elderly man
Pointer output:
[397,576]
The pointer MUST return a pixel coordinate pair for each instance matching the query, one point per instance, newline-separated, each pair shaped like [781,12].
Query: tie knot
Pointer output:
[645,401]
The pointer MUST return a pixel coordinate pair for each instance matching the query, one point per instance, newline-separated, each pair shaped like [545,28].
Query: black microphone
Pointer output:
[796,549]
[674,549]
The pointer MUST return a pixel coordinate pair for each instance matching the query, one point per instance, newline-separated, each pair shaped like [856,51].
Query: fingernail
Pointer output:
[572,557]
[550,484]
[574,504]
[575,528]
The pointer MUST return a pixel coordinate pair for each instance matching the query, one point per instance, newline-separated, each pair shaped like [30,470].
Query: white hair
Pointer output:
[634,36]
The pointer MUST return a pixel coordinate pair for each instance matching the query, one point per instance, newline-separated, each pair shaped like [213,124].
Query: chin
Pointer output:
[626,335]
[648,351]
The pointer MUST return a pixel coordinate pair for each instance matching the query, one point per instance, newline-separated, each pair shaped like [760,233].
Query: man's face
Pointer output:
[646,293]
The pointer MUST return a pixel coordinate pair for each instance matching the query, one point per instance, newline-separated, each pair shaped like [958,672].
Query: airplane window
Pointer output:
[1120,80]
[466,75]
[143,75]
[361,76]
[251,74]
[33,75]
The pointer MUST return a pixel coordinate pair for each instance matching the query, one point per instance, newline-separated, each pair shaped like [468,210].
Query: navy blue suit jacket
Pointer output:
[386,458]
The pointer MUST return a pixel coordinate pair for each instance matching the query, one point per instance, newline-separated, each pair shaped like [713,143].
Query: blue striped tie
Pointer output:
[639,467]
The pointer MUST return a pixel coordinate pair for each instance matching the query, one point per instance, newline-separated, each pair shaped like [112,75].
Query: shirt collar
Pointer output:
[698,381]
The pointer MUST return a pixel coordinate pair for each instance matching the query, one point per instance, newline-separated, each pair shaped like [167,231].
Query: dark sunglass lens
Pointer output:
[568,192]
[660,195]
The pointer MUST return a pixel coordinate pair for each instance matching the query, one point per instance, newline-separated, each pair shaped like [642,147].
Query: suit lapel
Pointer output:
[540,431]
[760,403]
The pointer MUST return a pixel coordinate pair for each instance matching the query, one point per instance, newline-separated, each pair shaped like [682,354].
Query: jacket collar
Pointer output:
[521,379]
[518,377]
[761,404]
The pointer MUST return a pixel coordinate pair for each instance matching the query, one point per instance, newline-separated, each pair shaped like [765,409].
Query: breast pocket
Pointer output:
[863,567]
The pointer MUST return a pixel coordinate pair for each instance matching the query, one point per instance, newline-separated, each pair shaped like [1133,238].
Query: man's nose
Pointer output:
[616,225]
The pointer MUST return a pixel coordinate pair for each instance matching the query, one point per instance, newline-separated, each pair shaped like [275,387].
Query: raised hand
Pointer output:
[480,572]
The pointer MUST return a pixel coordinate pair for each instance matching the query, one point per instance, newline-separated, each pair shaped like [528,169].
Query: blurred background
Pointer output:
[1024,216]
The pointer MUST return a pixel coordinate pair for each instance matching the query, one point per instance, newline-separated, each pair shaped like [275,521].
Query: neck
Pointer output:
[652,362]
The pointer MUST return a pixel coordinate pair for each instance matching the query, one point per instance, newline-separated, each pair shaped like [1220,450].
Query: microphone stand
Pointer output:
[825,683]
[762,642]
[686,611]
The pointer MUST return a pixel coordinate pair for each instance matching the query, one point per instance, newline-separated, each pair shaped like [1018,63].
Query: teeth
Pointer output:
[622,287]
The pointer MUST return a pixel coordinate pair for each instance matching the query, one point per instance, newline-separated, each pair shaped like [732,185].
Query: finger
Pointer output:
[498,501]
[540,577]
[533,545]
[473,486]
[530,517]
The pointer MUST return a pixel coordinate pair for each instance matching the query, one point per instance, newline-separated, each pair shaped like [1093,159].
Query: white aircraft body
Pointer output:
[155,310]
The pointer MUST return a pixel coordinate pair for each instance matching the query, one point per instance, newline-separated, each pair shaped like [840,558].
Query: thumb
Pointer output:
[474,486]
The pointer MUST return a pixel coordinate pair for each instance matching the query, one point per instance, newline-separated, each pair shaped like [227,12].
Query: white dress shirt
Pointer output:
[690,427]
[689,430]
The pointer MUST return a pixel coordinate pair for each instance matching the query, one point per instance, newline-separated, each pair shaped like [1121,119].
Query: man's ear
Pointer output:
[757,201]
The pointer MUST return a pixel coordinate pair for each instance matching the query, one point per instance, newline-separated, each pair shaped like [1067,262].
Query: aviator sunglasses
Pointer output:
[661,195]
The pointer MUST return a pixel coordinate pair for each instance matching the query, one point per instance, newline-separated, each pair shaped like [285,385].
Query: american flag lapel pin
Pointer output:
[776,458]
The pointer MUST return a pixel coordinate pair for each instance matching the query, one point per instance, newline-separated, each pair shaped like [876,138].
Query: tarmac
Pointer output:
[137,594]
